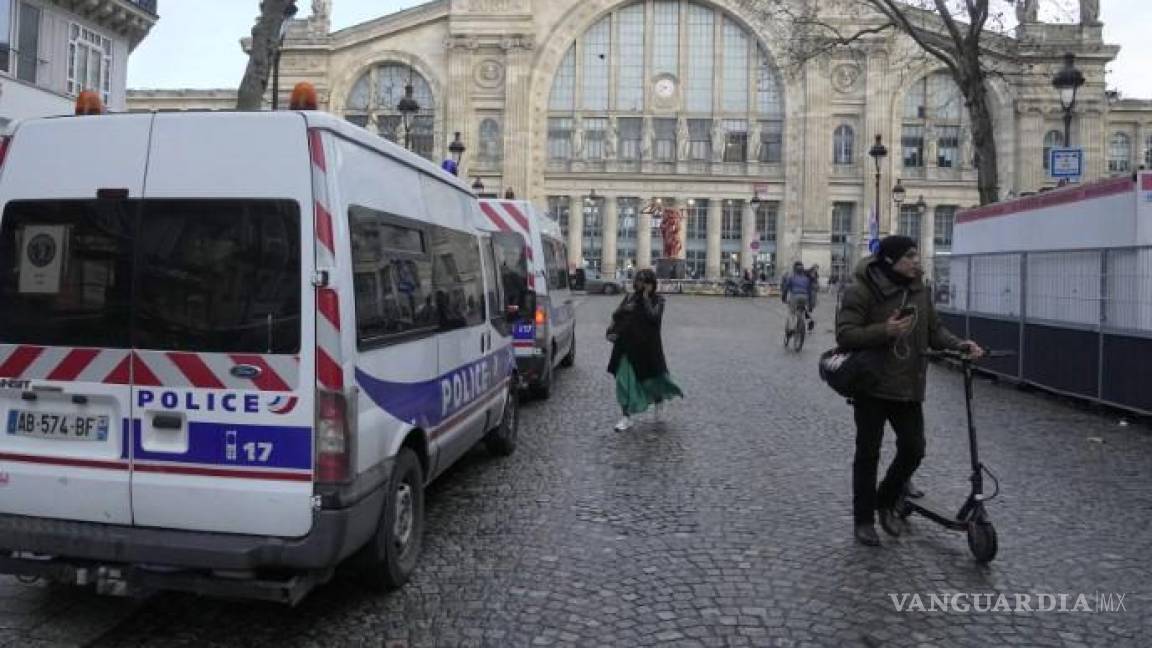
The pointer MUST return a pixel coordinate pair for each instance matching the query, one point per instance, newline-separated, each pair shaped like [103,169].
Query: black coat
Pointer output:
[861,324]
[637,326]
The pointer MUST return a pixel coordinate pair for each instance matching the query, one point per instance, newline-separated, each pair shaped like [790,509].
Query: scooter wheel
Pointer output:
[982,541]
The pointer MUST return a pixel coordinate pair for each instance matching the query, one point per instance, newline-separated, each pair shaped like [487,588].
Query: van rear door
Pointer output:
[65,290]
[222,429]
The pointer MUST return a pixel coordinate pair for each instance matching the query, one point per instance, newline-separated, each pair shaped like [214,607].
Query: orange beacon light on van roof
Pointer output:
[303,97]
[88,103]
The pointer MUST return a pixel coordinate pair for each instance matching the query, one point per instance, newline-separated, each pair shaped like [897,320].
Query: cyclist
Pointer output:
[798,290]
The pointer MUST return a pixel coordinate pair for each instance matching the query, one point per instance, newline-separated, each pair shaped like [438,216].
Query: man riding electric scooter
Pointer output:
[889,309]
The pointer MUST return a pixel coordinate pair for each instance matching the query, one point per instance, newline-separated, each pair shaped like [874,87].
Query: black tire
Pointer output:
[798,337]
[542,389]
[570,359]
[982,541]
[501,440]
[390,557]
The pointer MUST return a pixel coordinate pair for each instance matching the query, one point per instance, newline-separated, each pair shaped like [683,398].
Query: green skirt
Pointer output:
[636,395]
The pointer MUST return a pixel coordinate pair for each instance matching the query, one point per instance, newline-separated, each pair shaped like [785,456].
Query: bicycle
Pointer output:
[796,328]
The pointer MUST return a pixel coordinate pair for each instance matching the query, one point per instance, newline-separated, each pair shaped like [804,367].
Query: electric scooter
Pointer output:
[972,517]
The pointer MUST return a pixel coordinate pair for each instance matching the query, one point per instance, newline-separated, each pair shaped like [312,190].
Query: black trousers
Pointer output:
[907,421]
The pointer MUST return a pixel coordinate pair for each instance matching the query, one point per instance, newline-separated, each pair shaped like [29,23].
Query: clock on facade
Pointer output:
[665,88]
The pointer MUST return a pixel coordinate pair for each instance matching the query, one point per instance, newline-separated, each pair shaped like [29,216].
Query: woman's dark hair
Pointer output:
[645,276]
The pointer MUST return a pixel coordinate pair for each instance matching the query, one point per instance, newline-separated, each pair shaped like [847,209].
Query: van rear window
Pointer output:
[188,275]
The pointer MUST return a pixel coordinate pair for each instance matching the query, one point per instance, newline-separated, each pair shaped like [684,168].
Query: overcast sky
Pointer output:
[196,42]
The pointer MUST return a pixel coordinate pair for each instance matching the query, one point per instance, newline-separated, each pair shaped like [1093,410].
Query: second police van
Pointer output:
[546,338]
[234,351]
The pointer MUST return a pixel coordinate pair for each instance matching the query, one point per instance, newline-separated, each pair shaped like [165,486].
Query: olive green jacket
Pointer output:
[861,324]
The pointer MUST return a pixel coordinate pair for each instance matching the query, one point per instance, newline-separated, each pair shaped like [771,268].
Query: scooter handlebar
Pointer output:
[962,356]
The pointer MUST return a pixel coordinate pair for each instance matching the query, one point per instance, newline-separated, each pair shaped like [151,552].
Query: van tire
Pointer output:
[501,440]
[570,359]
[381,564]
[542,389]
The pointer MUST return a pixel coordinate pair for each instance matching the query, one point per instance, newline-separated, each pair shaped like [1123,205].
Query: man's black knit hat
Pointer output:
[892,248]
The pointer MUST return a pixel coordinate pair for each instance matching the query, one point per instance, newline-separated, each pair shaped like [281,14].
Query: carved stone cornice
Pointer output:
[518,42]
[462,42]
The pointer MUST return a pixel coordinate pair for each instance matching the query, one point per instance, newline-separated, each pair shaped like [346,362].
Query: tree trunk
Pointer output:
[983,131]
[264,43]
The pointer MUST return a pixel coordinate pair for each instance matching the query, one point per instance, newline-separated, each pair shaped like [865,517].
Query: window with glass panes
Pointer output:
[767,214]
[560,138]
[721,72]
[594,131]
[1054,139]
[629,137]
[593,231]
[373,100]
[933,104]
[843,145]
[90,62]
[1119,153]
[843,222]
[736,140]
[28,46]
[559,207]
[909,224]
[5,34]
[696,235]
[731,215]
[945,220]
[628,214]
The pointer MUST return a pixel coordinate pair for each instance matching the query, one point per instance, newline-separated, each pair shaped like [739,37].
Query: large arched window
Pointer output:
[1120,153]
[373,100]
[1054,139]
[933,114]
[844,145]
[665,81]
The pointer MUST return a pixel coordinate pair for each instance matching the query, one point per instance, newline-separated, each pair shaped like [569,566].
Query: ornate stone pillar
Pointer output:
[1029,145]
[458,114]
[519,50]
[880,121]
[643,238]
[576,230]
[611,221]
[715,227]
[817,156]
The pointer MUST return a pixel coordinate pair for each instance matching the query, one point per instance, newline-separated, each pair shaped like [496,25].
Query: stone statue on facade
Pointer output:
[1027,11]
[754,137]
[321,8]
[718,140]
[1089,12]
[930,147]
[578,140]
[648,139]
[683,139]
[610,138]
[966,147]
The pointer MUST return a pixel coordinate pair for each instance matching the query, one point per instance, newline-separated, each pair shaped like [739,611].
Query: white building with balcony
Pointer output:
[51,50]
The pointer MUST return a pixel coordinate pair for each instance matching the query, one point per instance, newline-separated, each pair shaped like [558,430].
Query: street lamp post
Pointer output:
[289,11]
[1068,81]
[478,186]
[456,149]
[878,152]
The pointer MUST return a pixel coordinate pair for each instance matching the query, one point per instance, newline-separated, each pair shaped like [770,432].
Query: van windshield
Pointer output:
[186,275]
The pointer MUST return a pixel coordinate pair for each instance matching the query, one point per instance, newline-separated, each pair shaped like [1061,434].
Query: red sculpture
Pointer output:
[670,230]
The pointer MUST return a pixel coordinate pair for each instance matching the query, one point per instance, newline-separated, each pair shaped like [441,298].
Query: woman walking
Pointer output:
[642,377]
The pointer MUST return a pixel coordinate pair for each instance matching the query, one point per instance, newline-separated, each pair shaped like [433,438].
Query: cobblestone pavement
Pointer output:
[725,524]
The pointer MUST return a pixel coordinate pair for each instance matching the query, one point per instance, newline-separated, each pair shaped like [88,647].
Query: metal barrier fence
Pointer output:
[1079,321]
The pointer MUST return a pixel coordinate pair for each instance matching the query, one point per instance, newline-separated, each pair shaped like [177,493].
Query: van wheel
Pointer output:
[570,359]
[501,441]
[543,388]
[389,558]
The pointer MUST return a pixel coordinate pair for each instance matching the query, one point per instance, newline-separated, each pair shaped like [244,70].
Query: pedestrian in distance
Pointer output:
[888,309]
[798,291]
[638,361]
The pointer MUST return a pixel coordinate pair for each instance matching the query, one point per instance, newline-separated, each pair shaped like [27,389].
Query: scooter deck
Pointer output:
[924,509]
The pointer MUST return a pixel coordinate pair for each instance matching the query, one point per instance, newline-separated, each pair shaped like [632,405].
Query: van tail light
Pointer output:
[541,316]
[333,438]
[5,141]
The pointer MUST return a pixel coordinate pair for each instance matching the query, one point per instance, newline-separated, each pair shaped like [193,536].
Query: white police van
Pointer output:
[546,338]
[234,348]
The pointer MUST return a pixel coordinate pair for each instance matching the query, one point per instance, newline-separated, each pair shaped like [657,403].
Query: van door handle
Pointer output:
[166,422]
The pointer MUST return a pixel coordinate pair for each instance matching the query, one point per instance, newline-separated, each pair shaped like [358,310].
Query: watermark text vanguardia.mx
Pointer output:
[965,602]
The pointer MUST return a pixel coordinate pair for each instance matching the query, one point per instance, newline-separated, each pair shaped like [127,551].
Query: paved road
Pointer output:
[726,524]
